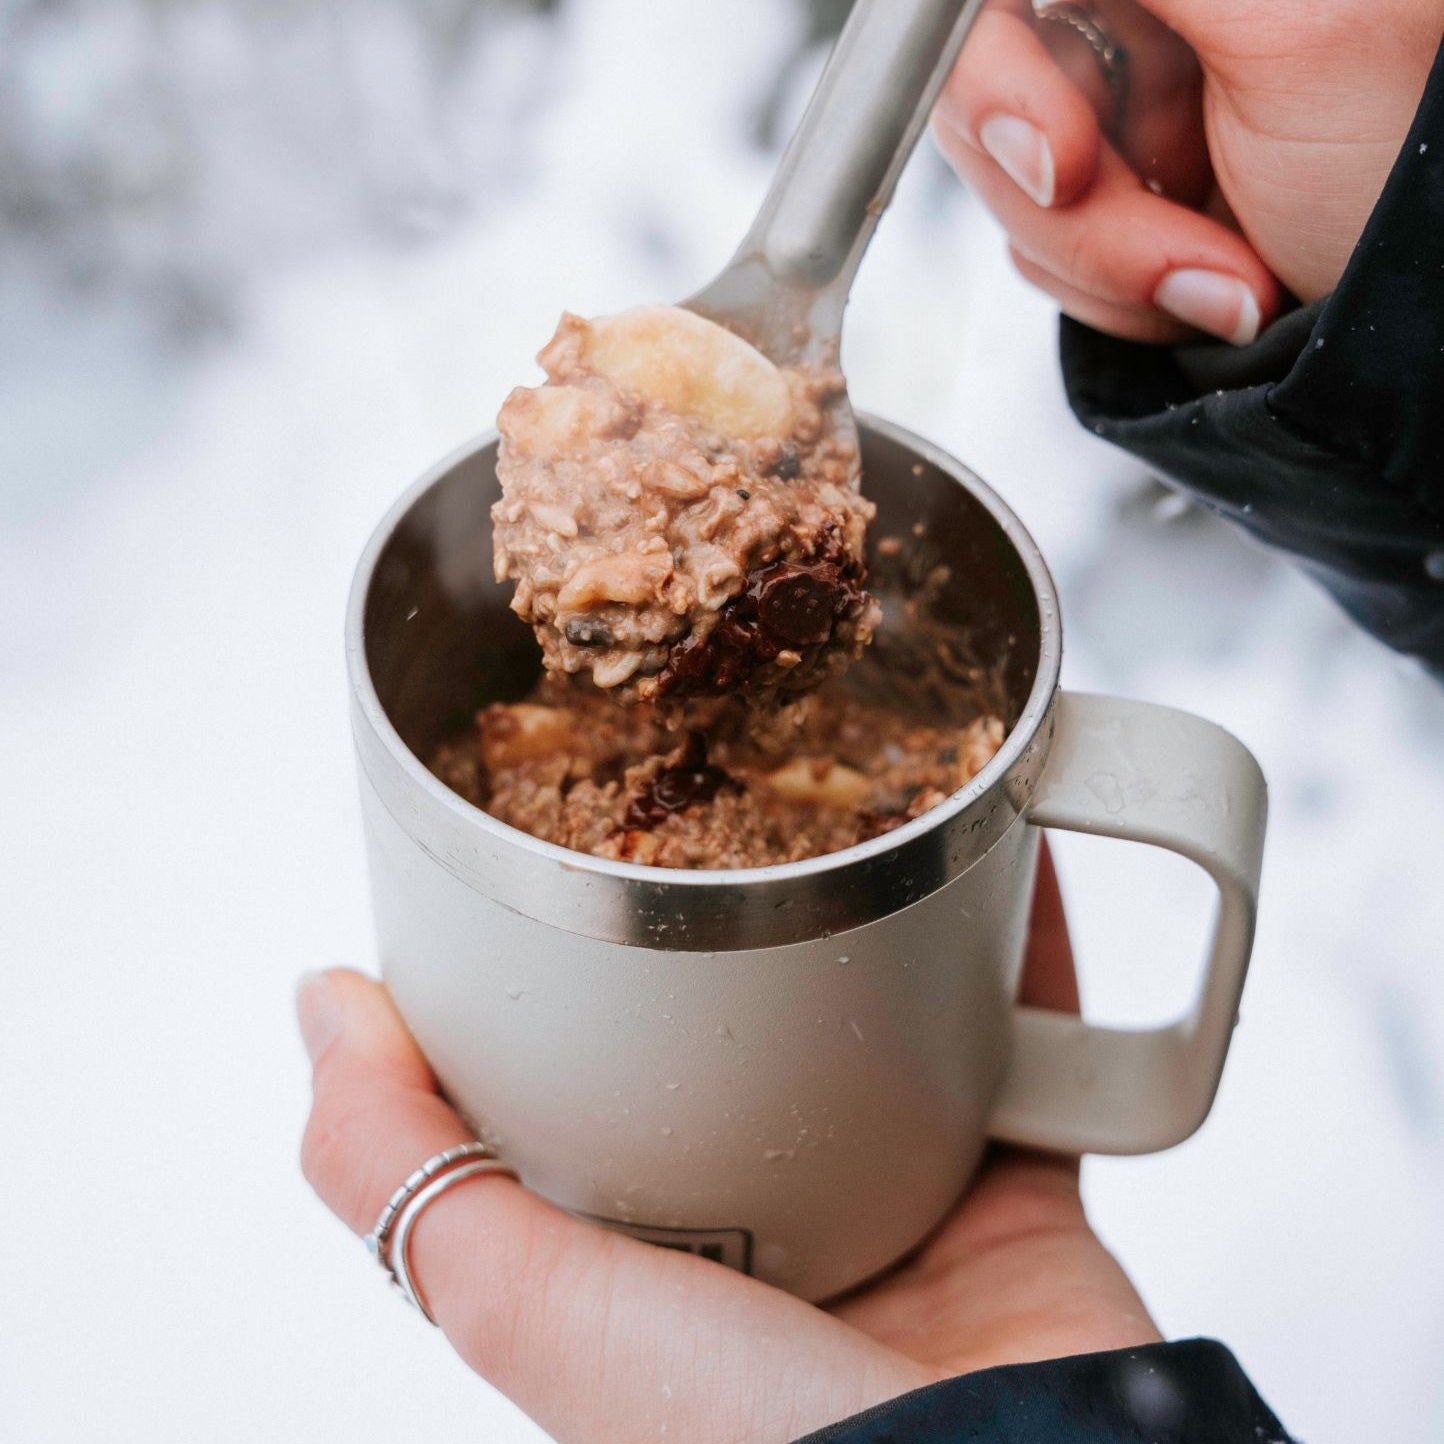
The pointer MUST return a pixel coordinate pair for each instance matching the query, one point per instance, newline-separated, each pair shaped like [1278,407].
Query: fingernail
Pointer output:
[1221,305]
[1023,151]
[318,1011]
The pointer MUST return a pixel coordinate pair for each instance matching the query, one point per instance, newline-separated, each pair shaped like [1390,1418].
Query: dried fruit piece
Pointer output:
[587,632]
[783,606]
[686,780]
[797,604]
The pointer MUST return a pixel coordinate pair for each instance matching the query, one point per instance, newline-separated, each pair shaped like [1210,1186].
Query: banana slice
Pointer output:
[822,782]
[692,366]
[523,732]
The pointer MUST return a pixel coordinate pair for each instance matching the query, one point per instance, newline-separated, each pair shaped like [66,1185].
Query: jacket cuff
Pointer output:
[1185,1393]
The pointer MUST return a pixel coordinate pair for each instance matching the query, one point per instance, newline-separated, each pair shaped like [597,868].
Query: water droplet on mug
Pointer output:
[844,960]
[672,1087]
[852,1023]
[666,1132]
[779,1155]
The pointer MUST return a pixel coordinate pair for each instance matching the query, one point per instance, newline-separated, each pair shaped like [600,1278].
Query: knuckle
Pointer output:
[1088,260]
[532,1297]
[1077,260]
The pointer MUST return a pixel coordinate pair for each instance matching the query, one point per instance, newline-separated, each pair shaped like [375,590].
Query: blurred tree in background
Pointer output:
[167,149]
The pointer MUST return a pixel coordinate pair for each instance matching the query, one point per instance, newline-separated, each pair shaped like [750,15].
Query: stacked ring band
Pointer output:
[1110,54]
[389,1242]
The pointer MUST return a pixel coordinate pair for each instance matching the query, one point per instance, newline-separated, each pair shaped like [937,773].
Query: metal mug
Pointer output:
[790,1069]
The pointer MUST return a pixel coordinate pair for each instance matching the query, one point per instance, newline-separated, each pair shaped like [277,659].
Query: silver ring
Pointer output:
[1111,55]
[400,1251]
[388,1241]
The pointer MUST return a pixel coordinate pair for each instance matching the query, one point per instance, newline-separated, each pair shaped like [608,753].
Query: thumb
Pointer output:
[596,1336]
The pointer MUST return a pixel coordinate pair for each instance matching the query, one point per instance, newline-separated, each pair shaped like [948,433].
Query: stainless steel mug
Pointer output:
[790,1069]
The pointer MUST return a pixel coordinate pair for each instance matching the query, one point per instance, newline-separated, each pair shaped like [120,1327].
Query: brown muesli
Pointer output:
[572,768]
[677,516]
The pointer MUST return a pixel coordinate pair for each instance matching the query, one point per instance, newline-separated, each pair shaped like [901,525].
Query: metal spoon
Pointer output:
[785,289]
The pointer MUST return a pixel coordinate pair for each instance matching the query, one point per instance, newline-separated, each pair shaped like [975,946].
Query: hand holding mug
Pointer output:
[1247,152]
[601,1338]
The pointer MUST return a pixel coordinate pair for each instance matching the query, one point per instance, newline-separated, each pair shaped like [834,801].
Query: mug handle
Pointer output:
[1148,774]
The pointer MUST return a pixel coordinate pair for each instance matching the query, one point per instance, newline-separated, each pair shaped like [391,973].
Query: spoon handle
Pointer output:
[839,170]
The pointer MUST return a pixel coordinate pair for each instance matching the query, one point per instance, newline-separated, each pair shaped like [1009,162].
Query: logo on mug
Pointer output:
[729,1246]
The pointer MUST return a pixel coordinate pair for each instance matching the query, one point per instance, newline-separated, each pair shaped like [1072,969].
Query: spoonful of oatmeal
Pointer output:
[680,513]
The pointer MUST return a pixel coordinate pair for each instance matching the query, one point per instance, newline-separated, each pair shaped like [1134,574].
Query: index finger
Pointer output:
[1050,979]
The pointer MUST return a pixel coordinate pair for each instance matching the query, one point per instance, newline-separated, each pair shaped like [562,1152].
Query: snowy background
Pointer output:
[260,264]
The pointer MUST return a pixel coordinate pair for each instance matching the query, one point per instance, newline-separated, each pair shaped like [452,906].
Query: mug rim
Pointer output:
[1017,743]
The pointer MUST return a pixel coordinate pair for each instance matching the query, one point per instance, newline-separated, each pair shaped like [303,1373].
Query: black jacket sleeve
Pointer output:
[1187,1393]
[1326,437]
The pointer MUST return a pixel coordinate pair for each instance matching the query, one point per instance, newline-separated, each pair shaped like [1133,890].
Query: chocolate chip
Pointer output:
[796,604]
[785,605]
[688,780]
[744,493]
[587,632]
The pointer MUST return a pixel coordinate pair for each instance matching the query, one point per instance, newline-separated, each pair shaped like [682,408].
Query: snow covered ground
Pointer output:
[263,264]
